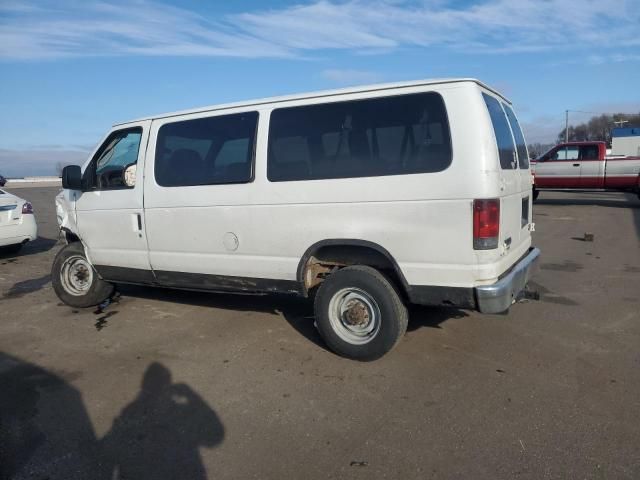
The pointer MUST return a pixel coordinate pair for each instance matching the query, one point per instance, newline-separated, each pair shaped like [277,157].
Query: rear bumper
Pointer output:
[498,297]
[24,231]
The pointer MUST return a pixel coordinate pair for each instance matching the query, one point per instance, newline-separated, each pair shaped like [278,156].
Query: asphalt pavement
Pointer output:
[167,384]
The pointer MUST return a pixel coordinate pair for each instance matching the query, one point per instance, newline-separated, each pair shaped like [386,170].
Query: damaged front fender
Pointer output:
[66,213]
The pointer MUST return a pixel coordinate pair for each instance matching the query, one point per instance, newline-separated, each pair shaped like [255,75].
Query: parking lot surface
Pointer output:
[168,384]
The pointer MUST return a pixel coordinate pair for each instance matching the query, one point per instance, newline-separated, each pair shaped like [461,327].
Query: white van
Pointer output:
[365,198]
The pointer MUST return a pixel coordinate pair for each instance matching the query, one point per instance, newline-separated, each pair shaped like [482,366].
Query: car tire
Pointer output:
[535,194]
[359,313]
[74,279]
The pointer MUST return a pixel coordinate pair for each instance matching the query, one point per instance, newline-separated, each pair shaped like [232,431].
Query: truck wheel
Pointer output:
[359,313]
[75,281]
[535,194]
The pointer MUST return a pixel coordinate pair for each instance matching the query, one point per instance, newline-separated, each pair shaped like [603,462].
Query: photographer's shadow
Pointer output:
[159,434]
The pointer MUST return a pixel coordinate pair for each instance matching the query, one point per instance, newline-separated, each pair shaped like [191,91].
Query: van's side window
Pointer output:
[363,138]
[206,151]
[119,150]
[521,146]
[506,148]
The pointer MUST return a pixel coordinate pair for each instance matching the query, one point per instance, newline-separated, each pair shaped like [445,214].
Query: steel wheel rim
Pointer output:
[76,275]
[354,316]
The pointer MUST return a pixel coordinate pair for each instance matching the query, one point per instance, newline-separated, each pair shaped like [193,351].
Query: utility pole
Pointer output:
[621,122]
[566,126]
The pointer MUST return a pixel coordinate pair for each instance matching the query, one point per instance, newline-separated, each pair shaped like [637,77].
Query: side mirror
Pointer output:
[129,175]
[72,177]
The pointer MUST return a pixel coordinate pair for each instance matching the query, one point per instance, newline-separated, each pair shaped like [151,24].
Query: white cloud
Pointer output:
[622,57]
[351,77]
[37,29]
[139,27]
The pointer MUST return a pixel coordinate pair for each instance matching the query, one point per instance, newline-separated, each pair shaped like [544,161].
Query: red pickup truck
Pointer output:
[585,165]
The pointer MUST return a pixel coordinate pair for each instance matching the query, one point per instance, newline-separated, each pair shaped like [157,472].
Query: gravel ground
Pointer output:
[167,384]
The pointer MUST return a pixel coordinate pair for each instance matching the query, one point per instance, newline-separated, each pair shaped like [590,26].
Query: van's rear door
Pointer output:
[515,179]
[525,175]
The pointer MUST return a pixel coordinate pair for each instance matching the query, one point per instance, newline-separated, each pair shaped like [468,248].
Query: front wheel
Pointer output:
[75,281]
[359,313]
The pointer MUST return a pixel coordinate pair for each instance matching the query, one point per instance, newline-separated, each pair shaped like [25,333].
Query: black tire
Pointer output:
[94,290]
[535,194]
[374,290]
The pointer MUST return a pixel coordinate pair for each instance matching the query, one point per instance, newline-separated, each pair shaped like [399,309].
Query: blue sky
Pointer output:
[69,70]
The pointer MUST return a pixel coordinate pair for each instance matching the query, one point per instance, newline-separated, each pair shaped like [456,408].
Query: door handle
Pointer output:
[136,223]
[576,164]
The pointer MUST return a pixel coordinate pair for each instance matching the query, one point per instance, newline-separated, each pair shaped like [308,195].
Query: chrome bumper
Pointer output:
[498,297]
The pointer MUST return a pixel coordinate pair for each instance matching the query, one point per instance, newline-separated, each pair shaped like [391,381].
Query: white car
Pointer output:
[17,222]
[373,197]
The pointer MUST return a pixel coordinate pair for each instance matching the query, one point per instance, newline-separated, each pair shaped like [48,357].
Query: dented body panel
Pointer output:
[66,212]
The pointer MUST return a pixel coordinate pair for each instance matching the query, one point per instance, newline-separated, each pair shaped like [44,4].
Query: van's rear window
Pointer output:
[506,148]
[521,146]
[362,138]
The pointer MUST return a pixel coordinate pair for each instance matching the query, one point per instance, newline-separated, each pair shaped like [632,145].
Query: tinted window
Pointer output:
[364,138]
[521,146]
[506,149]
[118,151]
[206,151]
[589,152]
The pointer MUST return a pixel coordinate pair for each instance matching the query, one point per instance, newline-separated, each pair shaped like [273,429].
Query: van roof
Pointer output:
[322,93]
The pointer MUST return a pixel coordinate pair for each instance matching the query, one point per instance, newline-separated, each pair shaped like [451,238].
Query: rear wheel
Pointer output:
[359,313]
[75,281]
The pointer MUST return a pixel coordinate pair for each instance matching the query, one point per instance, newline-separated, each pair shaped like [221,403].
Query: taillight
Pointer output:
[486,224]
[27,208]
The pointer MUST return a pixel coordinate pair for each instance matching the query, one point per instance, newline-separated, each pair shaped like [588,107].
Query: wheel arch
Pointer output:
[343,252]
[70,236]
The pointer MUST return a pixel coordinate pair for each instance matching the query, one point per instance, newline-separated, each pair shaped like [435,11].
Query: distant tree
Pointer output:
[537,149]
[598,128]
